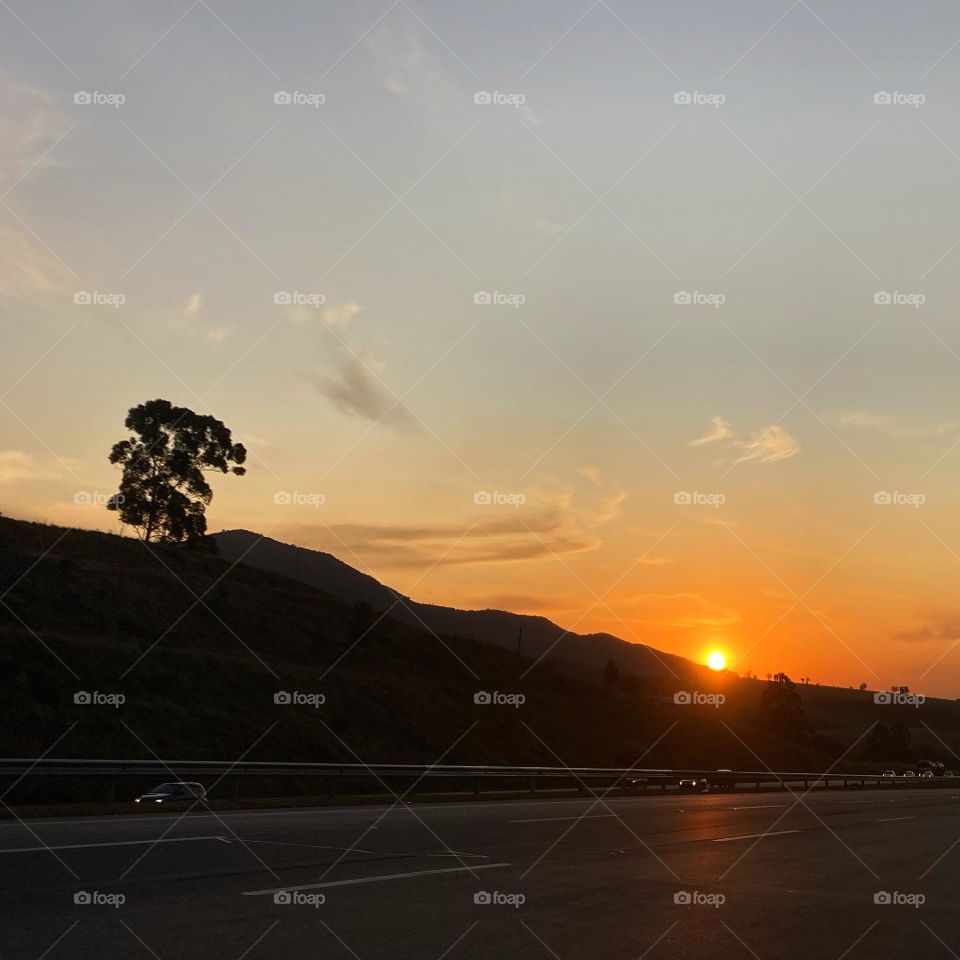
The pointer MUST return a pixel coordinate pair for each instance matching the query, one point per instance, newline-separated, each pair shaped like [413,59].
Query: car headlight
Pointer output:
[158,801]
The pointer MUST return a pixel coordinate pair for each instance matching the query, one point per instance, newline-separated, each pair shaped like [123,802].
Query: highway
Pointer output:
[764,875]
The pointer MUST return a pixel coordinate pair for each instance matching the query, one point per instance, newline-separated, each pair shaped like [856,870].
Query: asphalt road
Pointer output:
[769,875]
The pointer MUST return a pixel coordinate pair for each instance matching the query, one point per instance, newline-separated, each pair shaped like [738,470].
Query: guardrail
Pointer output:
[45,766]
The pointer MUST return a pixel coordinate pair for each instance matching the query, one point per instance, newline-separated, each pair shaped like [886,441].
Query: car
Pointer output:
[174,791]
[889,773]
[948,773]
[694,785]
[635,785]
[909,773]
[926,775]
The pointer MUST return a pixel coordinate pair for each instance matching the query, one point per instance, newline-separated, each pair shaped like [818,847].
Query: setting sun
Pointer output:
[716,660]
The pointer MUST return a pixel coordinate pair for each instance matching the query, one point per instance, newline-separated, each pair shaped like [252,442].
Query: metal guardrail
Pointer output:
[655,776]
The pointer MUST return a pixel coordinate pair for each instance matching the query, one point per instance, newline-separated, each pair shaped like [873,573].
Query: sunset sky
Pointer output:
[784,401]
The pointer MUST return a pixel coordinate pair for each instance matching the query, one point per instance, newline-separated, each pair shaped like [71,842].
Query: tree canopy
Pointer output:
[163,492]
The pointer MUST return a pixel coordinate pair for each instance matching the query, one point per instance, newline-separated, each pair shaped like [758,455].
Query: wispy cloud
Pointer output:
[719,430]
[888,425]
[768,445]
[190,319]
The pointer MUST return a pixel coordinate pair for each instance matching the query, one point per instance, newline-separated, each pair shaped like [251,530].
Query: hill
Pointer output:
[537,636]
[199,649]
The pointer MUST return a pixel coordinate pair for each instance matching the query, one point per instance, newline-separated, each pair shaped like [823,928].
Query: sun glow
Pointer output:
[716,660]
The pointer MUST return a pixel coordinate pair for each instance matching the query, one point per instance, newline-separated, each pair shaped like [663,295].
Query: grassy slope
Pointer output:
[205,680]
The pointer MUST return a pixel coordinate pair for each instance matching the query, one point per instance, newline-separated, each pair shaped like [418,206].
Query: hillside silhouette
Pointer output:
[199,648]
[540,637]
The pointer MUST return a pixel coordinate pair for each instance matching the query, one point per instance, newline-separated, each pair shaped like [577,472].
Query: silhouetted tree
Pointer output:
[863,686]
[163,492]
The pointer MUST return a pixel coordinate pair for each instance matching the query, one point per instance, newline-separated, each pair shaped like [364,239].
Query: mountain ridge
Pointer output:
[534,635]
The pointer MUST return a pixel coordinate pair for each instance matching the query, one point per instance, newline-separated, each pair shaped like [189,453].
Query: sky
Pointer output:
[639,317]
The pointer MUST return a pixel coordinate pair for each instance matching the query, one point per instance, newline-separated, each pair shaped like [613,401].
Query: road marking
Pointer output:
[375,879]
[893,819]
[112,843]
[595,816]
[754,836]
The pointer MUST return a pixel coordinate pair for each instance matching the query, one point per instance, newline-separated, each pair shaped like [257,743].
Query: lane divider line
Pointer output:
[375,879]
[111,843]
[754,836]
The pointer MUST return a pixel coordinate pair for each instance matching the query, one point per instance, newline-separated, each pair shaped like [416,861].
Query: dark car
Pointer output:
[694,785]
[170,792]
[635,785]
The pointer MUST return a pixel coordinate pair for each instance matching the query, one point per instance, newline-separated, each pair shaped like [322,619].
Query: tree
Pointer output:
[862,687]
[163,492]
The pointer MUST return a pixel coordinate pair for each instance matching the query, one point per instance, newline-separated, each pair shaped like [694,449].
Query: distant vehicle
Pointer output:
[694,785]
[926,775]
[635,785]
[889,773]
[170,792]
[948,773]
[909,773]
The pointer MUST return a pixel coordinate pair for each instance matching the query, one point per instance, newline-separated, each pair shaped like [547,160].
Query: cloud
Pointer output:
[891,426]
[720,430]
[546,526]
[355,389]
[685,610]
[190,320]
[405,58]
[768,445]
[945,627]
[17,465]
[30,122]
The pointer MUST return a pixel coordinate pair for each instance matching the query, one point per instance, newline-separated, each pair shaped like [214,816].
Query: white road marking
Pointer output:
[595,816]
[754,836]
[893,819]
[112,843]
[375,879]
